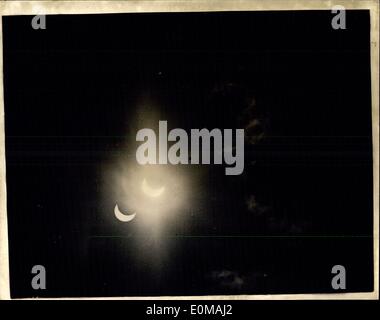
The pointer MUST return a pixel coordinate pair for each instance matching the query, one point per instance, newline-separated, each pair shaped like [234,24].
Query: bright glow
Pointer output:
[156,193]
[152,192]
[159,198]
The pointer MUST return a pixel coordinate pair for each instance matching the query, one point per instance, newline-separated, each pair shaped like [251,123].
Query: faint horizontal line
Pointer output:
[123,136]
[149,51]
[241,236]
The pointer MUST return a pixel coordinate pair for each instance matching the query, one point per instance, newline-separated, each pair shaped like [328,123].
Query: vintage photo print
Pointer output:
[189,149]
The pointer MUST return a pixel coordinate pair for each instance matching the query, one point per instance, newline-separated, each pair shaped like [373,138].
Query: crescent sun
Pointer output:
[123,217]
[152,192]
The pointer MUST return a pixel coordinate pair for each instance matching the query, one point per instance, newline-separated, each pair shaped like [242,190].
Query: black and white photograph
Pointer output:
[205,150]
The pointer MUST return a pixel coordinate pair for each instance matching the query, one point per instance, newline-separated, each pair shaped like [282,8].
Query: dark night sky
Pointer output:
[71,90]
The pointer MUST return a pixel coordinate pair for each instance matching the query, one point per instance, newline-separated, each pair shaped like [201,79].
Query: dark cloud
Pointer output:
[228,279]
